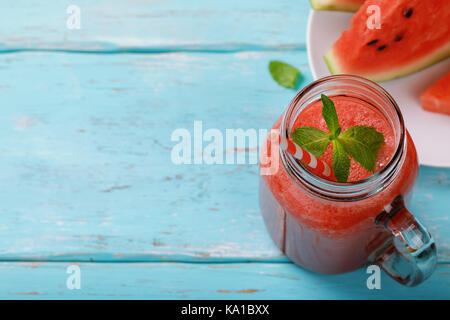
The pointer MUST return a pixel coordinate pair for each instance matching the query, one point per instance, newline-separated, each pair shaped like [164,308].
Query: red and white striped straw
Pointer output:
[316,165]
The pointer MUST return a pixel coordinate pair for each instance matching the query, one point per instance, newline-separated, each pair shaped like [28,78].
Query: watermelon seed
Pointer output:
[408,12]
[398,37]
[372,42]
[381,48]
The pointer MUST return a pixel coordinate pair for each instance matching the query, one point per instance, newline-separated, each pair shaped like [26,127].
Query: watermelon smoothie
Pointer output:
[351,112]
[332,227]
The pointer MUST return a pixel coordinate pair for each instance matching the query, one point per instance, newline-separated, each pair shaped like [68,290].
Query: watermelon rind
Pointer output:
[331,62]
[333,65]
[333,5]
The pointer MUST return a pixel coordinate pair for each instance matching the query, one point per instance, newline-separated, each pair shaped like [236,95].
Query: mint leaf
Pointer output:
[362,143]
[341,162]
[284,74]
[311,139]
[330,116]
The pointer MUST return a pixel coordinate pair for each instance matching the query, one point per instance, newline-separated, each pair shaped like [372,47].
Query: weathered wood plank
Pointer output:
[123,25]
[187,281]
[86,169]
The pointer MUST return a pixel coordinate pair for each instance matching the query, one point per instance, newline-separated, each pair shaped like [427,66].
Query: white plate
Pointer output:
[430,131]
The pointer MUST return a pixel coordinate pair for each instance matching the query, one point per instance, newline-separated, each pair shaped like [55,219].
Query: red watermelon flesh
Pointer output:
[437,98]
[414,34]
[339,5]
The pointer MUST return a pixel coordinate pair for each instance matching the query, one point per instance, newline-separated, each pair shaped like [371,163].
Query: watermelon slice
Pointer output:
[414,34]
[339,5]
[437,98]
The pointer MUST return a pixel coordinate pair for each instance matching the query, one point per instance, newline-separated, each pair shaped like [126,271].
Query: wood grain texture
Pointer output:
[87,168]
[204,281]
[154,26]
[85,143]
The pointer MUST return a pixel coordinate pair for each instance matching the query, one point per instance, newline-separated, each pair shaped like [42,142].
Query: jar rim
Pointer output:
[348,191]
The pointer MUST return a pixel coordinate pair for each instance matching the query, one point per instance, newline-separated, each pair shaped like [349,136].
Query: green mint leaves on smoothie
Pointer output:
[330,116]
[284,74]
[312,139]
[341,162]
[362,143]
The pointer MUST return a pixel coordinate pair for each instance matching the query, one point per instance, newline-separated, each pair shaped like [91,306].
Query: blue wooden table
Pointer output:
[87,179]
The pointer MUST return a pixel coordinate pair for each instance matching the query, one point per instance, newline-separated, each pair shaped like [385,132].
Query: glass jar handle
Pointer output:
[409,254]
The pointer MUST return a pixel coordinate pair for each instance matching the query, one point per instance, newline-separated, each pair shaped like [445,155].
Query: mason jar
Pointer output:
[331,227]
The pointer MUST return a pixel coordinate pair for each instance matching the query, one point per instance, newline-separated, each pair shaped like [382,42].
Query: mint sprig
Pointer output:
[284,74]
[362,143]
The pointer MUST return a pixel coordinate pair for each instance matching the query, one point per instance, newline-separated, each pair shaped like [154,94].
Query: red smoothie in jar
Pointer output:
[351,112]
[313,222]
